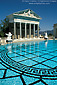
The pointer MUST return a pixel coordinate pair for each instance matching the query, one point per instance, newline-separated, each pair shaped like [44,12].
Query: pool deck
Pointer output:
[26,40]
[3,41]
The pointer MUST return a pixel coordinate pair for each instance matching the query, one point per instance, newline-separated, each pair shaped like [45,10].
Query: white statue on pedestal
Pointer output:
[46,36]
[9,36]
[40,35]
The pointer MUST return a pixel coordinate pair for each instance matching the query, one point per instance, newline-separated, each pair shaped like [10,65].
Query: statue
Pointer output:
[46,36]
[9,37]
[40,35]
[29,12]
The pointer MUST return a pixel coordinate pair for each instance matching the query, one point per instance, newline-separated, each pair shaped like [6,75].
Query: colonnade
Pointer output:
[26,30]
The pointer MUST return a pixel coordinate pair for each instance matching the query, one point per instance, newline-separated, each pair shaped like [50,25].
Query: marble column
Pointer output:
[38,30]
[30,30]
[14,30]
[25,30]
[20,31]
[34,30]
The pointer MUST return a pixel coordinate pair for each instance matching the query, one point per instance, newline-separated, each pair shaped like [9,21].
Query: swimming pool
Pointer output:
[33,59]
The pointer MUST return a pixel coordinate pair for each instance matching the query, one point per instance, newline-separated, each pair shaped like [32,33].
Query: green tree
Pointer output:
[4,27]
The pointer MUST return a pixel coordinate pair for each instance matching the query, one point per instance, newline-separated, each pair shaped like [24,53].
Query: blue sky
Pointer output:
[48,12]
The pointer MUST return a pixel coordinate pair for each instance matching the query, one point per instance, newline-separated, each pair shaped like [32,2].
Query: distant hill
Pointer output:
[48,32]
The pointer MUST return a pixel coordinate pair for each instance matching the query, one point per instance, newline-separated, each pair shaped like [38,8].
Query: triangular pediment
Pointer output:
[27,13]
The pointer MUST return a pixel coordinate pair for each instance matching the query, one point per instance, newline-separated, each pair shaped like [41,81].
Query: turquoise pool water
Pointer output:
[28,62]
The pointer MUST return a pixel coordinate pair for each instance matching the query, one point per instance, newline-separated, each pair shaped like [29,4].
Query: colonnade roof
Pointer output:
[27,13]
